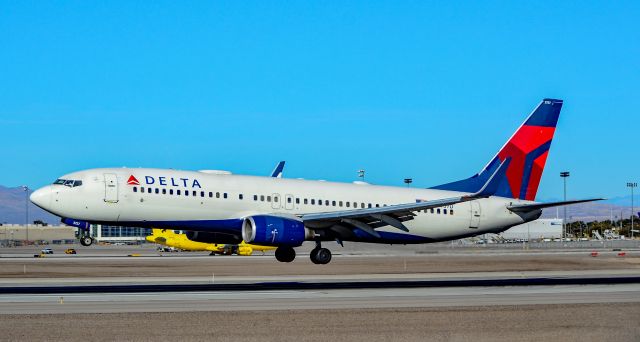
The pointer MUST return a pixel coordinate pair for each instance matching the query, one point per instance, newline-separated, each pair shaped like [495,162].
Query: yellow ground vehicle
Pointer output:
[70,251]
[168,237]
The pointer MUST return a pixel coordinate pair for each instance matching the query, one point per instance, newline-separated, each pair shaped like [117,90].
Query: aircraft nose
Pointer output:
[42,197]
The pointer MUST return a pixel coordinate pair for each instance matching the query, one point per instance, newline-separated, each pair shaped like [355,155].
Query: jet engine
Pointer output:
[274,231]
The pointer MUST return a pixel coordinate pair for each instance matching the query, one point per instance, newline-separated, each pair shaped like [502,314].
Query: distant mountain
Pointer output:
[12,208]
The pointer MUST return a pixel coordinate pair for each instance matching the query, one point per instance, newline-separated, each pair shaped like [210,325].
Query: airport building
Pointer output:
[67,234]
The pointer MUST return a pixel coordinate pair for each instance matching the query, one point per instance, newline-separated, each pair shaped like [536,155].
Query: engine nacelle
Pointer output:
[274,231]
[207,237]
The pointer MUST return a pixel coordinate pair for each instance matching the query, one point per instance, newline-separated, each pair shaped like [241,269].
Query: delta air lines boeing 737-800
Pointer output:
[219,207]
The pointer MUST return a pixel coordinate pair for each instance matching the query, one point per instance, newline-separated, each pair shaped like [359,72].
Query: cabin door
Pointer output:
[110,188]
[475,214]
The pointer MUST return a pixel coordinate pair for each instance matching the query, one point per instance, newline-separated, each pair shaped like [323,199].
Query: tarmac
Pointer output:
[371,294]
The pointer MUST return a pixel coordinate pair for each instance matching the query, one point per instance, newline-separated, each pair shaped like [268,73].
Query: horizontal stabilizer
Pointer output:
[519,208]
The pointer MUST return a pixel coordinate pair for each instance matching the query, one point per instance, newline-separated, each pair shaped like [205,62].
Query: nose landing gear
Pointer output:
[86,240]
[319,255]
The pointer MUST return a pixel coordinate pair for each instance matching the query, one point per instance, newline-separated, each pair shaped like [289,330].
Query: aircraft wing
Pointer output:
[536,206]
[393,215]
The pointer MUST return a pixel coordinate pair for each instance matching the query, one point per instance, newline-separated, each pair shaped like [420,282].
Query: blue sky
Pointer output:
[428,90]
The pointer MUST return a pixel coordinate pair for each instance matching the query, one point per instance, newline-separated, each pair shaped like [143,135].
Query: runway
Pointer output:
[446,295]
[317,299]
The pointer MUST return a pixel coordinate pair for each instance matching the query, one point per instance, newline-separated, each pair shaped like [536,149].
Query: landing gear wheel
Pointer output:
[86,240]
[320,256]
[285,254]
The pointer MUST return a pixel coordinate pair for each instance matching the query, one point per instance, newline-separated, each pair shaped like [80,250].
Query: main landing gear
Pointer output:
[319,255]
[285,254]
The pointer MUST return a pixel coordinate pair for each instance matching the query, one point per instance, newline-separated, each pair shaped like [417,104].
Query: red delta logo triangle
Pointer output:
[133,181]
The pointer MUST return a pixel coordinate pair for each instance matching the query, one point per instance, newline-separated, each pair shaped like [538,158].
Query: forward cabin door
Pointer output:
[110,188]
[475,214]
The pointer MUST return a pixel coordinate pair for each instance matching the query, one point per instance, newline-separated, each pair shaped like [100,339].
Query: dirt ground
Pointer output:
[584,322]
[268,266]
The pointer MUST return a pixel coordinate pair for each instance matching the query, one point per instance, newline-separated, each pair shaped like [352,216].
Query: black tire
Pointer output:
[86,240]
[320,256]
[314,255]
[285,254]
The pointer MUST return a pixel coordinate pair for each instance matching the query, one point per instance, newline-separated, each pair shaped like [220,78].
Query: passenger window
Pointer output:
[319,202]
[142,189]
[178,192]
[240,196]
[255,197]
[157,191]
[275,199]
[225,195]
[432,210]
[288,199]
[313,201]
[201,193]
[340,203]
[268,198]
[326,202]
[210,194]
[164,191]
[451,212]
[369,205]
[170,191]
[333,203]
[362,205]
[377,205]
[217,195]
[262,198]
[348,204]
[135,189]
[186,192]
[297,200]
[305,201]
[444,211]
[438,211]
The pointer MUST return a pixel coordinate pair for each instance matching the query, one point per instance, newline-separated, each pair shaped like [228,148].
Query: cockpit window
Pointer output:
[68,182]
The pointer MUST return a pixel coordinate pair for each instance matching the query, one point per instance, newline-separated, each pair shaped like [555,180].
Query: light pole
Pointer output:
[632,185]
[564,175]
[26,210]
[408,181]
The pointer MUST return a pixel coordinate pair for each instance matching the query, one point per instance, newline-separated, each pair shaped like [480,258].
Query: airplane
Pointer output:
[220,207]
[170,238]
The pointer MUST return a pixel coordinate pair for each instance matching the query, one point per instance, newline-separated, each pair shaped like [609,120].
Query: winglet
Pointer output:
[491,186]
[277,172]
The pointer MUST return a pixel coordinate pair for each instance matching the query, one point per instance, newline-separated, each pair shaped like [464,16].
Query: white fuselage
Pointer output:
[218,202]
